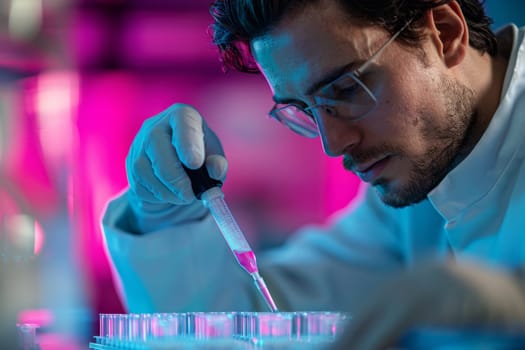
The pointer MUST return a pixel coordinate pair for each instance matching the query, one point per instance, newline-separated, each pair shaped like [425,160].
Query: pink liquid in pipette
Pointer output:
[247,260]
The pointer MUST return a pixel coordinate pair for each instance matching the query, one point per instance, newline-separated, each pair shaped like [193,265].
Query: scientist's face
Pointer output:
[408,142]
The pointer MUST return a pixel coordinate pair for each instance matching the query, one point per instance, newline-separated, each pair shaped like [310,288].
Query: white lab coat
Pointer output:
[476,212]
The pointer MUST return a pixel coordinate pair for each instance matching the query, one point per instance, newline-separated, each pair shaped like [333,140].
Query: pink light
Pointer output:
[56,101]
[55,341]
[167,39]
[342,186]
[41,317]
[39,238]
[89,38]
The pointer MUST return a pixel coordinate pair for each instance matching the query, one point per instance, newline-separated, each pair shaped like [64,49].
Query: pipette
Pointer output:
[210,192]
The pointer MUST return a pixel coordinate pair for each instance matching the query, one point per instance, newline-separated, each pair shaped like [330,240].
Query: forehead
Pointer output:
[304,47]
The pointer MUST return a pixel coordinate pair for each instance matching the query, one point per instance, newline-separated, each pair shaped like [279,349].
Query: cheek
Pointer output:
[405,101]
[409,99]
[400,124]
[396,113]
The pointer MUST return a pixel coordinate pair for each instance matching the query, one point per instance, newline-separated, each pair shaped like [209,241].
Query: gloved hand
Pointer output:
[160,192]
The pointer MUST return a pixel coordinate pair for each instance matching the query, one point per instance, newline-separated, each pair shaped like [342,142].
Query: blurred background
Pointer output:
[77,79]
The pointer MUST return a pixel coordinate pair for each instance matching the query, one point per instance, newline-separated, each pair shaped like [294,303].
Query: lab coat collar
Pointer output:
[474,177]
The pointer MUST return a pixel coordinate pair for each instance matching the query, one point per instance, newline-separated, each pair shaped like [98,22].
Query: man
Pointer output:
[421,101]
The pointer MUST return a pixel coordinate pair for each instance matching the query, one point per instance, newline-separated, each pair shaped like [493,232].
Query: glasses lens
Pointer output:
[295,119]
[348,95]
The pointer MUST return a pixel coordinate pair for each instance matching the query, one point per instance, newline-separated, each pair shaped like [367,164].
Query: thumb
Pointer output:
[217,166]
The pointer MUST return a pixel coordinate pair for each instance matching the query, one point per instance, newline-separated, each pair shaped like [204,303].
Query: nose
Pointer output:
[337,134]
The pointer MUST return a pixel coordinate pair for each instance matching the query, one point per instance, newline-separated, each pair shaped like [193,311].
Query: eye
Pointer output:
[346,91]
[353,88]
[345,87]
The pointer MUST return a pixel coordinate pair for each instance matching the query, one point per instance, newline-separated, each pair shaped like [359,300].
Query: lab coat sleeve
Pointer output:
[183,268]
[189,267]
[336,266]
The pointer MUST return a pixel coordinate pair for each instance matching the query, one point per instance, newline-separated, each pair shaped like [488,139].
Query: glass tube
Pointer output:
[134,327]
[108,325]
[202,325]
[121,327]
[265,327]
[224,330]
[168,325]
[26,334]
[319,326]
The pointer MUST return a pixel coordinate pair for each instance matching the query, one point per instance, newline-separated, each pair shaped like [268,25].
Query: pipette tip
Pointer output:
[261,286]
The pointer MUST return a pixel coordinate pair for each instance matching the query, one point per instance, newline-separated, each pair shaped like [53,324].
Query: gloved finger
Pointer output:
[167,168]
[134,167]
[212,143]
[187,134]
[217,166]
[145,183]
[137,162]
[145,164]
[141,194]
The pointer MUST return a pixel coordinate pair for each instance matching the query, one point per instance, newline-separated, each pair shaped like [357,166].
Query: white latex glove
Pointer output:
[160,192]
[437,295]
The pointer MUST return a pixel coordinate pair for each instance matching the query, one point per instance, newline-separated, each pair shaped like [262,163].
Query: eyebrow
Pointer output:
[327,78]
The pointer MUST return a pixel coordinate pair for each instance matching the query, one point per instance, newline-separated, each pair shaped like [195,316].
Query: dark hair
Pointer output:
[237,22]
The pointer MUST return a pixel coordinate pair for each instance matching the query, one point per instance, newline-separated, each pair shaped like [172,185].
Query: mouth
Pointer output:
[370,172]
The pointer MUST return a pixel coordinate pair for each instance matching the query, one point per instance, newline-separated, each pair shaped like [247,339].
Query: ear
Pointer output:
[449,32]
